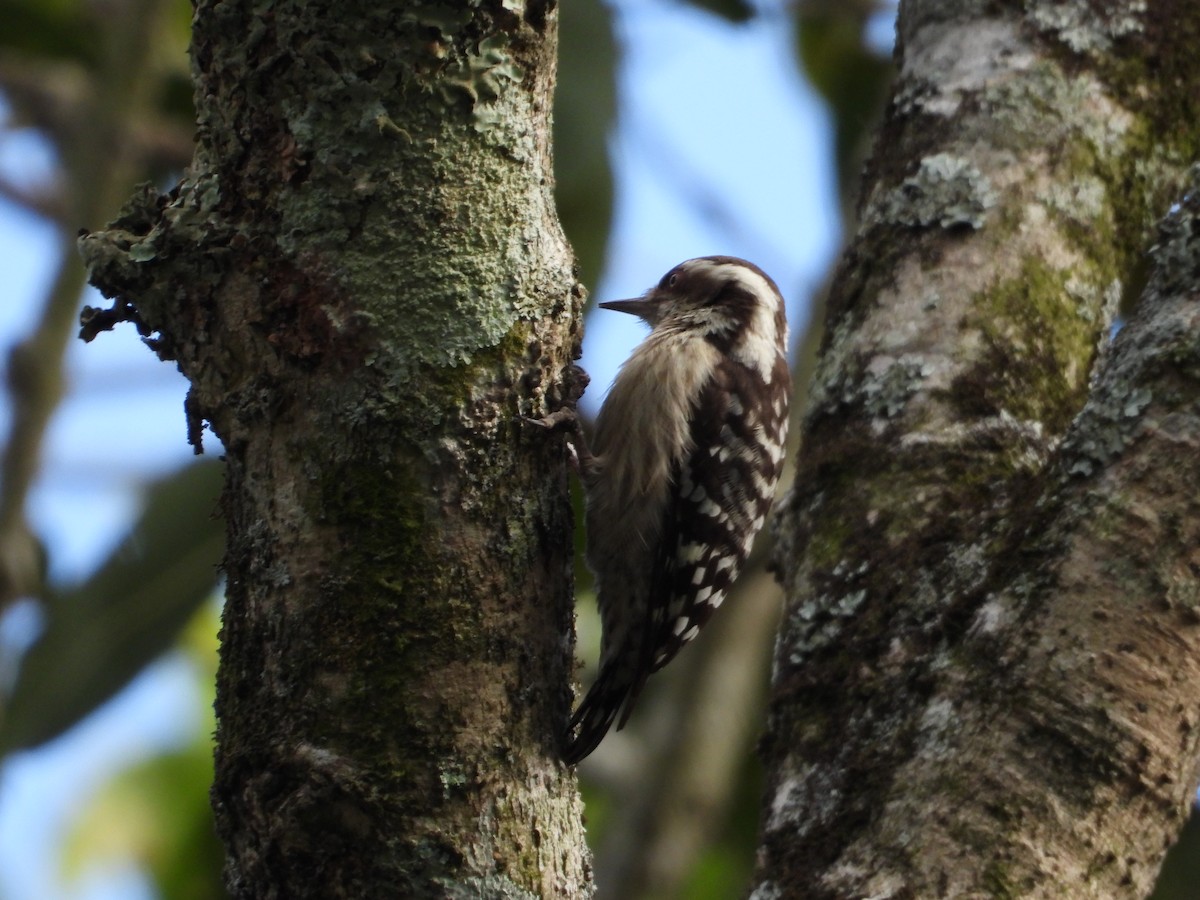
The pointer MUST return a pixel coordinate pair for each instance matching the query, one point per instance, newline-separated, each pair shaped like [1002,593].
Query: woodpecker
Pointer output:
[681,472]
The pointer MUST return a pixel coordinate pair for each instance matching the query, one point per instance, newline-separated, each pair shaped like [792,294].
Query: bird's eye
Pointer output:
[672,281]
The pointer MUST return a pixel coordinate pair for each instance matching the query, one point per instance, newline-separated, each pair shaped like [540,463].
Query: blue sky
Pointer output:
[765,157]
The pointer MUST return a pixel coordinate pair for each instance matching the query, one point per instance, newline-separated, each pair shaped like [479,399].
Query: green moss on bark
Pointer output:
[1036,352]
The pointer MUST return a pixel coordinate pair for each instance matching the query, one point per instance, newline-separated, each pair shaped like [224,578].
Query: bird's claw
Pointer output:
[562,419]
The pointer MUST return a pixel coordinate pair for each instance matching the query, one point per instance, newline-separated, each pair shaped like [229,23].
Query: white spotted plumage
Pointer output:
[687,451]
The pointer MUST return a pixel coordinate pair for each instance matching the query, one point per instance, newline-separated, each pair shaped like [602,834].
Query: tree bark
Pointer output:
[986,675]
[364,280]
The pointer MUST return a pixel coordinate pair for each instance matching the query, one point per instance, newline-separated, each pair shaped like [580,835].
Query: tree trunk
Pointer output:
[364,280]
[986,677]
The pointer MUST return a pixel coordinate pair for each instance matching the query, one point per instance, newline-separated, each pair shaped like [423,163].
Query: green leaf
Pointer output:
[157,815]
[58,29]
[733,10]
[99,635]
[583,116]
[852,78]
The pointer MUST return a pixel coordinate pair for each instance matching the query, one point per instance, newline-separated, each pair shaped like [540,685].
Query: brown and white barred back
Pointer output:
[687,452]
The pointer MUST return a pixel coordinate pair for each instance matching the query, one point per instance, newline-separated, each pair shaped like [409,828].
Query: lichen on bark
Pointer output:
[364,281]
[975,510]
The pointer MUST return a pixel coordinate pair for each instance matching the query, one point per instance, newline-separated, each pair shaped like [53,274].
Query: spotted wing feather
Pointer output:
[723,493]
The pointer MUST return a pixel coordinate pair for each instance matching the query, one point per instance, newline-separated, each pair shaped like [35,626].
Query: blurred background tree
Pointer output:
[94,98]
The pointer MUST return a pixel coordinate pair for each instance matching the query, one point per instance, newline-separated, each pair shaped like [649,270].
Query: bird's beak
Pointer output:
[642,307]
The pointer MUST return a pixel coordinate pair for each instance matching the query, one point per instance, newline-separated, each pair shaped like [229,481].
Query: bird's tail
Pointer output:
[617,686]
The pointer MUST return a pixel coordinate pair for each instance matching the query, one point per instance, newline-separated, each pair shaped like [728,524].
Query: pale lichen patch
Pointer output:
[1088,28]
[963,58]
[947,191]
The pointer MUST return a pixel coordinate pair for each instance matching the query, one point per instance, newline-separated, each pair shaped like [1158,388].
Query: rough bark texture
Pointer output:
[363,277]
[986,676]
